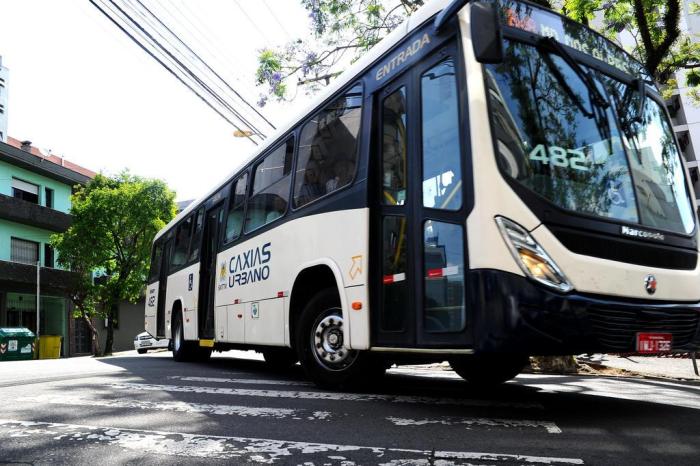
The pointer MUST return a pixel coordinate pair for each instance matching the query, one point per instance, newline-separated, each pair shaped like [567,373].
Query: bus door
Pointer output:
[162,288]
[419,223]
[207,272]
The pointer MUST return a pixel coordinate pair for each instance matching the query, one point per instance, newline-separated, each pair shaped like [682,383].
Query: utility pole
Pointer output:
[38,301]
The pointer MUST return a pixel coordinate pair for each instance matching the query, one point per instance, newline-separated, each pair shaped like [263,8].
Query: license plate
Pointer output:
[654,342]
[146,343]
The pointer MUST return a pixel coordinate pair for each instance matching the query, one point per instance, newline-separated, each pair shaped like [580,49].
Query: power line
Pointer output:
[163,64]
[182,67]
[208,67]
[252,22]
[274,16]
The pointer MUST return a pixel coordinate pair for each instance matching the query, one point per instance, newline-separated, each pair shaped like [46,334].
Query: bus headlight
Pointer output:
[532,259]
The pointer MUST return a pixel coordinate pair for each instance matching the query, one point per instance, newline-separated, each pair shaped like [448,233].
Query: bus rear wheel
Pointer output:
[320,345]
[185,350]
[488,370]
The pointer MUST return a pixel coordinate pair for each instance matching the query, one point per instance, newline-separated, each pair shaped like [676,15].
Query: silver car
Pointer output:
[144,342]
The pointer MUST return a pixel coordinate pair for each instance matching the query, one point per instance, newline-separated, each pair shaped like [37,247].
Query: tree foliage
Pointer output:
[114,222]
[654,29]
[344,29]
[341,30]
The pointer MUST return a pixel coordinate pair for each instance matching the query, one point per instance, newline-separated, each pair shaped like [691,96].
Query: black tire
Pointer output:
[141,350]
[339,367]
[182,350]
[488,370]
[280,359]
[202,354]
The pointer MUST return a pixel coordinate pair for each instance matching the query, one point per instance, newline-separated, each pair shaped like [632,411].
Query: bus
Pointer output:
[491,181]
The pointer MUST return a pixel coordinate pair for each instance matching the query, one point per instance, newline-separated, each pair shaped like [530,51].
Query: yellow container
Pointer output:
[49,346]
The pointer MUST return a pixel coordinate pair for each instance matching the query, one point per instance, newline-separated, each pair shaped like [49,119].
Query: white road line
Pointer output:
[647,391]
[551,427]
[241,381]
[181,406]
[242,449]
[333,396]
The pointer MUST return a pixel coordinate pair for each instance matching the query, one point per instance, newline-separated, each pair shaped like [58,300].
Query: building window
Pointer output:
[25,191]
[48,197]
[2,109]
[48,256]
[26,252]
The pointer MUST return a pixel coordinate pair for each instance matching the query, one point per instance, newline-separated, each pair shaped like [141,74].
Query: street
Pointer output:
[148,409]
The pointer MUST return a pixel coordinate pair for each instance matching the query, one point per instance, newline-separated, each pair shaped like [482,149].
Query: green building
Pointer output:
[35,191]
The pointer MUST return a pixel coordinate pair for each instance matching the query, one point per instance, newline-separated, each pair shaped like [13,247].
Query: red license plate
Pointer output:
[654,342]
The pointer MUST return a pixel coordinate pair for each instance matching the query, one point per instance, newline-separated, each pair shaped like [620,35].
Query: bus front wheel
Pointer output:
[487,370]
[320,345]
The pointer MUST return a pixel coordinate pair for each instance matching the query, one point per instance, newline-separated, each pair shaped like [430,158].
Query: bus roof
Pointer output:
[419,17]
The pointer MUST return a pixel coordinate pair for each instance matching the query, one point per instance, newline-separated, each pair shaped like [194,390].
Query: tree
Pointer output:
[114,222]
[341,31]
[340,27]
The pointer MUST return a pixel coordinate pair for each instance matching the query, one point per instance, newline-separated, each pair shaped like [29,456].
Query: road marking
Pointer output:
[648,391]
[241,381]
[332,396]
[551,427]
[240,449]
[181,406]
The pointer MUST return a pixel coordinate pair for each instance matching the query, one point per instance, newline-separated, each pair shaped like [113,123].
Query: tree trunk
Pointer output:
[555,364]
[95,335]
[110,332]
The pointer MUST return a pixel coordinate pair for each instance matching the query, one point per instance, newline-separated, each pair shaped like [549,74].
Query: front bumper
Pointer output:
[512,314]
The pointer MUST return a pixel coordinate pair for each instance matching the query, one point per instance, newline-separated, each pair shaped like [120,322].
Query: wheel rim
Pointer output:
[178,337]
[327,343]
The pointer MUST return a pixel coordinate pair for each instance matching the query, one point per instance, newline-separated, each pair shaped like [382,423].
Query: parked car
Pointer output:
[144,341]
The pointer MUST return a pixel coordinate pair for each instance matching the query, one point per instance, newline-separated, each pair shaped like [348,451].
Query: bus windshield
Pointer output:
[585,141]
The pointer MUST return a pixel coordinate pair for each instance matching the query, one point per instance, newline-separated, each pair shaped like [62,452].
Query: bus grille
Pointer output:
[616,329]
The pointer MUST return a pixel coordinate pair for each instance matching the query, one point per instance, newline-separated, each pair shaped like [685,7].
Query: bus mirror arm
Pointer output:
[487,36]
[448,12]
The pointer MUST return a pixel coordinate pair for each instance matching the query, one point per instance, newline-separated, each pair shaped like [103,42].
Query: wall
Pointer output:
[61,191]
[4,85]
[131,317]
[9,229]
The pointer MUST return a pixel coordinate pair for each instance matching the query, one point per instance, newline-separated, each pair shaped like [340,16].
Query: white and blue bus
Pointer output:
[491,181]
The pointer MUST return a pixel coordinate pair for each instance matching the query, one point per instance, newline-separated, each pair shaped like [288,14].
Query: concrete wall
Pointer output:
[61,191]
[131,318]
[4,85]
[9,229]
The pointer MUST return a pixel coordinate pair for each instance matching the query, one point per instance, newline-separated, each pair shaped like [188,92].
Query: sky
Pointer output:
[79,87]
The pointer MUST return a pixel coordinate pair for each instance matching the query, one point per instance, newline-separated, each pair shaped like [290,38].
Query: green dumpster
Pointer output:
[16,344]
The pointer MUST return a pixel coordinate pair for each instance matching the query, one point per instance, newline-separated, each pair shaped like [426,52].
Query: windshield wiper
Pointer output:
[642,93]
[585,77]
[598,102]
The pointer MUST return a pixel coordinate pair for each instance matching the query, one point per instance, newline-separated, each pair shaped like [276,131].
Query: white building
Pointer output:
[685,113]
[4,78]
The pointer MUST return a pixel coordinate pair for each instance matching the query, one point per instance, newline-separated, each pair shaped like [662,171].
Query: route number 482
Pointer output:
[559,157]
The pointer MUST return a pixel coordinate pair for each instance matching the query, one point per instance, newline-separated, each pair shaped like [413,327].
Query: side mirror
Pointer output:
[487,37]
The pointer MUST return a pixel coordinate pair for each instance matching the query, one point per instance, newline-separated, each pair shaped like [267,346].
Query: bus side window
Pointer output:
[271,182]
[236,203]
[182,241]
[197,236]
[328,149]
[155,262]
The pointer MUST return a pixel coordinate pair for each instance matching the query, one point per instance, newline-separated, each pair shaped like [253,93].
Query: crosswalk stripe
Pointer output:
[241,449]
[332,396]
[240,381]
[181,406]
[551,427]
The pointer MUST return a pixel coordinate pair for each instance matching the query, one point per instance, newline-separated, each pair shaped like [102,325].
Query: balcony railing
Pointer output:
[28,213]
[22,277]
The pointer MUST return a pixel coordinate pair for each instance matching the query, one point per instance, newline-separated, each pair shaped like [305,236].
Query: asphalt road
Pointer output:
[151,410]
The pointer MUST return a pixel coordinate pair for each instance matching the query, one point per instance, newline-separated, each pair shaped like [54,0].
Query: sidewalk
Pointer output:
[675,368]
